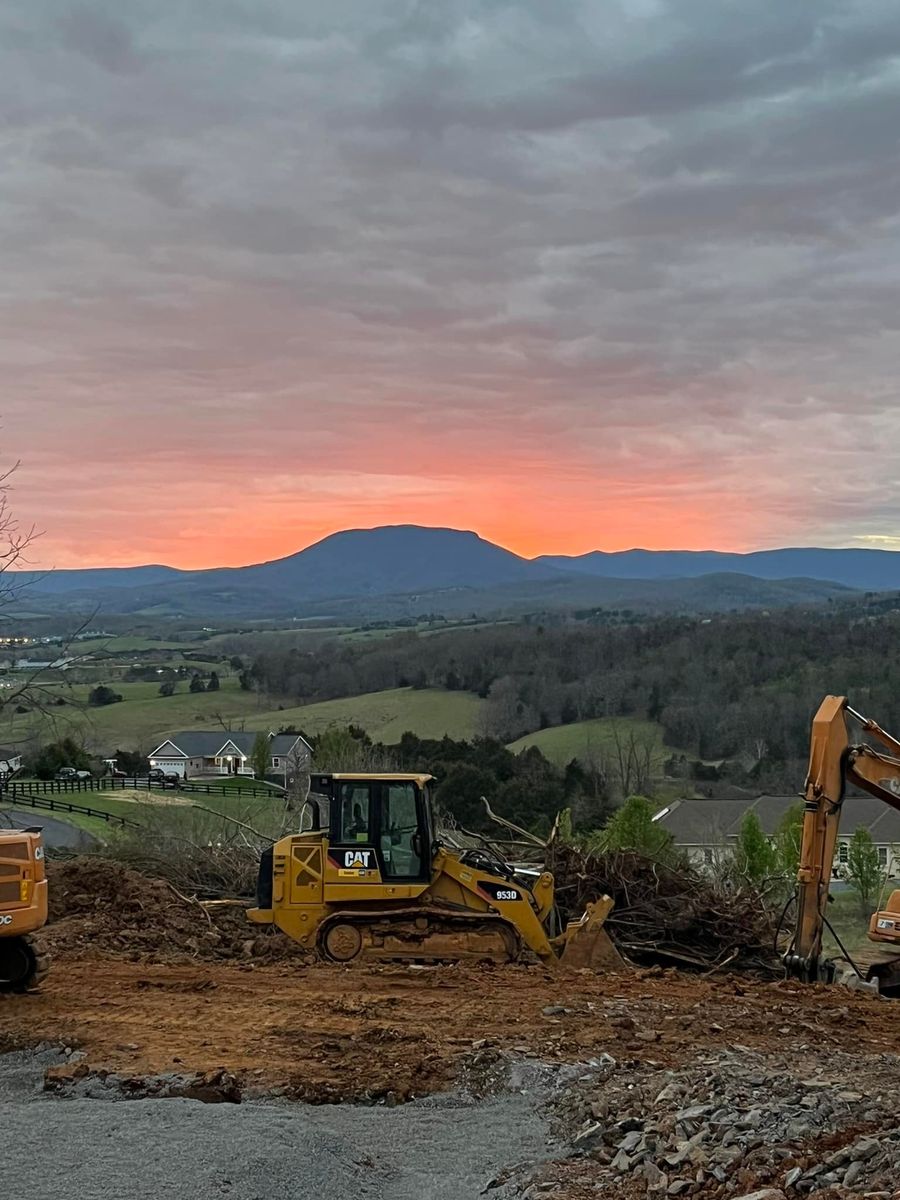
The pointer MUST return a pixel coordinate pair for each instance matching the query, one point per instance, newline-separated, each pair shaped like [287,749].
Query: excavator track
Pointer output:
[22,965]
[417,935]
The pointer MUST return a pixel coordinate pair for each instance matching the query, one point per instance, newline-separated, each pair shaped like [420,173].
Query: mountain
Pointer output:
[392,559]
[868,570]
[410,569]
[57,583]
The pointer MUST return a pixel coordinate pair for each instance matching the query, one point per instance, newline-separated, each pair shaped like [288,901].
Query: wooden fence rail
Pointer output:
[61,787]
[14,796]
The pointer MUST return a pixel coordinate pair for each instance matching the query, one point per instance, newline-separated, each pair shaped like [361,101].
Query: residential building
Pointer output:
[10,760]
[706,830]
[217,752]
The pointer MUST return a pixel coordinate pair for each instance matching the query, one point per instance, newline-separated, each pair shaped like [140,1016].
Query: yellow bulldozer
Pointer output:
[23,908]
[369,878]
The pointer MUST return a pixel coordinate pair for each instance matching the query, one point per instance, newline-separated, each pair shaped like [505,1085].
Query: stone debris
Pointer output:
[740,1125]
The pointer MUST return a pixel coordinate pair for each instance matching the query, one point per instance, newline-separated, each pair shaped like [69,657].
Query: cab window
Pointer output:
[400,847]
[355,812]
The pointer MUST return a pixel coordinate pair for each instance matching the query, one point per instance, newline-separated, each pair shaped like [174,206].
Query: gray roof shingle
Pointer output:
[206,743]
[707,822]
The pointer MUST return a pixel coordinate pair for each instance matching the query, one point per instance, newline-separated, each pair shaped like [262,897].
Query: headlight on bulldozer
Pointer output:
[23,890]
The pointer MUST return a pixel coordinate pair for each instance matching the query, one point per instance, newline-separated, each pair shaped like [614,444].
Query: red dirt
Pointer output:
[144,981]
[329,1033]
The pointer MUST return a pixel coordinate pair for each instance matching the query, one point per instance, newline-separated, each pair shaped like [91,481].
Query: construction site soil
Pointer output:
[146,983]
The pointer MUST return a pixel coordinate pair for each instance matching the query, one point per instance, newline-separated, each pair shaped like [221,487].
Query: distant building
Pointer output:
[10,760]
[211,752]
[706,829]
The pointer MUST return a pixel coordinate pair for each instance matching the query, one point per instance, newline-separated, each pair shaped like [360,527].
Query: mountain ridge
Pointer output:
[449,567]
[857,567]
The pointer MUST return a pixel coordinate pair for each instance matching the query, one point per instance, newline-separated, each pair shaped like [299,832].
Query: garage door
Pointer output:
[173,766]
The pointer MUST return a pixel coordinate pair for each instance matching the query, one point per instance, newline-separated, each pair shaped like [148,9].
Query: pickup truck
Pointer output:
[70,773]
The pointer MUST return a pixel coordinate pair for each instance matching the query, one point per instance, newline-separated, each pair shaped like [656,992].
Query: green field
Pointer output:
[143,718]
[587,740]
[149,812]
[385,716]
[131,643]
[138,721]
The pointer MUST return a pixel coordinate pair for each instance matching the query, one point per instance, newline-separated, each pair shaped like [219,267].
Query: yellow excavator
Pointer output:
[23,908]
[369,878]
[835,762]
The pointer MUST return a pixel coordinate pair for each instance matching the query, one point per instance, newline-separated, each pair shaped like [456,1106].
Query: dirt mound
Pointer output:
[99,907]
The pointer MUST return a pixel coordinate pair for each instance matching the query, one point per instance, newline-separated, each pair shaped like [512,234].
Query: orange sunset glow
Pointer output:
[468,288]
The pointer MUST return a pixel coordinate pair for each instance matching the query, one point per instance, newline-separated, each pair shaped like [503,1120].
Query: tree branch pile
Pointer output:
[664,913]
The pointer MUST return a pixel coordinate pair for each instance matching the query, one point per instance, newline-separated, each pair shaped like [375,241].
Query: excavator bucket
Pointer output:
[586,944]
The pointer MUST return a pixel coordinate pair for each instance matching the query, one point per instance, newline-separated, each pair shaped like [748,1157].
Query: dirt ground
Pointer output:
[326,1033]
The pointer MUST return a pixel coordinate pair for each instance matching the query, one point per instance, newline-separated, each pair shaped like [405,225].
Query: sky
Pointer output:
[577,275]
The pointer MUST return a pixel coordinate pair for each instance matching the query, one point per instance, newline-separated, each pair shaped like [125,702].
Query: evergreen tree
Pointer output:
[632,827]
[259,756]
[864,871]
[755,857]
[787,840]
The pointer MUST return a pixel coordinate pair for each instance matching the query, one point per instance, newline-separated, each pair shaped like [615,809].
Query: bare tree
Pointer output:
[633,757]
[296,778]
[31,689]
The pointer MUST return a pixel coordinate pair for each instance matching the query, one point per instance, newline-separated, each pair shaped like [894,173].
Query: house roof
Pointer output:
[9,752]
[207,743]
[707,822]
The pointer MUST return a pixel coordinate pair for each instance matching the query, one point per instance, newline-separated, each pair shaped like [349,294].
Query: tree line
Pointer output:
[740,687]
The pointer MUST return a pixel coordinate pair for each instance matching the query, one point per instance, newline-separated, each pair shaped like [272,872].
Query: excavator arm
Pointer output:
[833,763]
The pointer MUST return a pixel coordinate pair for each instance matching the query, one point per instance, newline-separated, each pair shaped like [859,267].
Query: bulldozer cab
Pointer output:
[380,823]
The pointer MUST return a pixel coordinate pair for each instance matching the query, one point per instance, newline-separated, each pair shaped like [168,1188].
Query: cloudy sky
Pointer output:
[583,274]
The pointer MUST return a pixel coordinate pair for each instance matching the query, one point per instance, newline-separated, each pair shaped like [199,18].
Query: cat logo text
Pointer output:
[357,859]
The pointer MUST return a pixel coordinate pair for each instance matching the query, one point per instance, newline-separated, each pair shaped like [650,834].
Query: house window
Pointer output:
[276,762]
[843,853]
[882,856]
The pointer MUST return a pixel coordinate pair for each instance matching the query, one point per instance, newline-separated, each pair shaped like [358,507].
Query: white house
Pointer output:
[10,760]
[705,829]
[216,752]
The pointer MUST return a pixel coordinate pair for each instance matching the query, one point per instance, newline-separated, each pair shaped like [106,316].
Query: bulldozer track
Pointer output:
[417,935]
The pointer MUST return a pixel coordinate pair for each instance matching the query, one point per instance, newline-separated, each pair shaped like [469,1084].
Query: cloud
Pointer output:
[579,275]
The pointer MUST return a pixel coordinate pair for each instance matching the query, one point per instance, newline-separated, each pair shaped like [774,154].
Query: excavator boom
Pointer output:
[833,763]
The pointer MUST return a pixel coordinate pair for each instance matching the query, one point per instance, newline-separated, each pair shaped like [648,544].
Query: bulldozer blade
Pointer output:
[586,944]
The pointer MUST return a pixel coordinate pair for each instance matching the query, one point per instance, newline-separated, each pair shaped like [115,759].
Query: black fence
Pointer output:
[108,783]
[13,795]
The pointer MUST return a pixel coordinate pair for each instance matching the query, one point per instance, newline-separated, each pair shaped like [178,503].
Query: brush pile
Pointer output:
[667,913]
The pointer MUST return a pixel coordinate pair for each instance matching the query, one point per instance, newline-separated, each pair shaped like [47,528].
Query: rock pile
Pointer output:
[736,1122]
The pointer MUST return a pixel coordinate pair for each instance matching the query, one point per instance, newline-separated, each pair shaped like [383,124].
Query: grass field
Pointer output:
[590,739]
[146,811]
[133,644]
[138,721]
[141,720]
[385,716]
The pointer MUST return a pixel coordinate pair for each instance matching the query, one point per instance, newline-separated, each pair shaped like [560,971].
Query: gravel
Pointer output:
[782,1123]
[443,1148]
